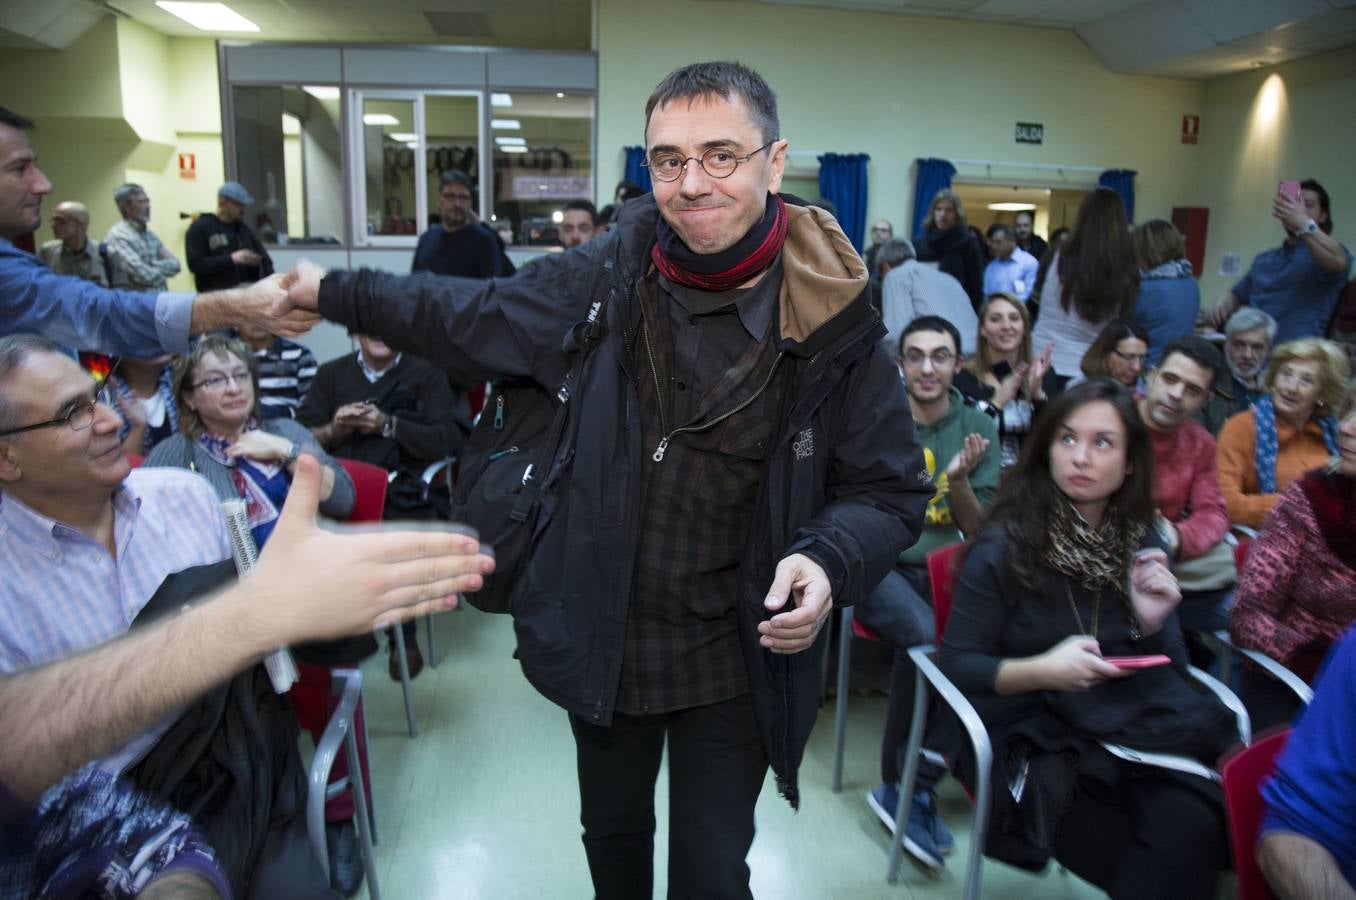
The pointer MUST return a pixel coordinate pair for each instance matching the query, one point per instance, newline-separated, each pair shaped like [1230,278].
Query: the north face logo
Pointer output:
[805,444]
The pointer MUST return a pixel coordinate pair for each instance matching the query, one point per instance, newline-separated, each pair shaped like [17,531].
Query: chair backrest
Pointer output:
[1241,551]
[1242,774]
[942,576]
[369,490]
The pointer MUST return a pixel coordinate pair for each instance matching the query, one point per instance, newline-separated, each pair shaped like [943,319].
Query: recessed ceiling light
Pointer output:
[402,136]
[1012,207]
[509,141]
[513,148]
[557,217]
[208,16]
[560,95]
[506,124]
[503,100]
[322,92]
[380,119]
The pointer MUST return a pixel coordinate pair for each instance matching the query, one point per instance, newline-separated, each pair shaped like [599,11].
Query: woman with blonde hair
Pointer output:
[1003,377]
[1169,297]
[946,240]
[1290,429]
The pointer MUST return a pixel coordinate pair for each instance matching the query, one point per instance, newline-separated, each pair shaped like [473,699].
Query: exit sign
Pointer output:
[1030,133]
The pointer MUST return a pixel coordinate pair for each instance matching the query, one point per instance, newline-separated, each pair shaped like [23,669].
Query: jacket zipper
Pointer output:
[663,445]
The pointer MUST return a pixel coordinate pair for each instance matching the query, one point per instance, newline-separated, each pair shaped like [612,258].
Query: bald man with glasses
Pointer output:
[73,253]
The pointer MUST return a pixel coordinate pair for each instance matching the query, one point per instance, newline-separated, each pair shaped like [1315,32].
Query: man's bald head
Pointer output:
[73,209]
[70,224]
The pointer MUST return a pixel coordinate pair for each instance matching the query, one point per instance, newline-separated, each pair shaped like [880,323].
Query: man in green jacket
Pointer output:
[960,447]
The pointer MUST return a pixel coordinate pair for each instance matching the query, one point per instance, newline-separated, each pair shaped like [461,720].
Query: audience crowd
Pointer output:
[1106,459]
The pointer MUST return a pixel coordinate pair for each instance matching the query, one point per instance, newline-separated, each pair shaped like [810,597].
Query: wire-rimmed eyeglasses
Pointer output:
[718,162]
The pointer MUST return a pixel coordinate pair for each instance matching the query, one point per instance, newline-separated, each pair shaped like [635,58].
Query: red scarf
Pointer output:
[730,268]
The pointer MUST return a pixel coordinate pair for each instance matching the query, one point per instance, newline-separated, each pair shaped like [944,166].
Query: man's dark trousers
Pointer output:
[717,765]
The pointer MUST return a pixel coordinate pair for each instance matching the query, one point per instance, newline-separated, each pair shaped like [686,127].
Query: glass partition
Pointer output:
[543,159]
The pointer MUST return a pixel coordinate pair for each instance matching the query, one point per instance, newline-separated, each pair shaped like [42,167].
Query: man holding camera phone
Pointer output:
[1299,282]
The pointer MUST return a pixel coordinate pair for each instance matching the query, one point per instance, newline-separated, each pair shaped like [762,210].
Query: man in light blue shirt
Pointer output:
[78,313]
[1299,282]
[910,289]
[1012,270]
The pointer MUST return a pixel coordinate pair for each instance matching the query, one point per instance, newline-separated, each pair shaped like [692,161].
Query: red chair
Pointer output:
[135,459]
[369,490]
[1242,773]
[1241,550]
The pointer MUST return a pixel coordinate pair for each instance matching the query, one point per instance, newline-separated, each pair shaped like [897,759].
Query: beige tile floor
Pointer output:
[482,805]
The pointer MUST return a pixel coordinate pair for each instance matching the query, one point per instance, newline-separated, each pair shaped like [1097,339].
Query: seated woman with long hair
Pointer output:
[1290,430]
[1297,593]
[1121,353]
[1065,573]
[216,388]
[1003,376]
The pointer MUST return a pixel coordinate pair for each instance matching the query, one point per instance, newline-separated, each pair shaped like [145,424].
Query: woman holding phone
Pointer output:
[1003,377]
[1039,611]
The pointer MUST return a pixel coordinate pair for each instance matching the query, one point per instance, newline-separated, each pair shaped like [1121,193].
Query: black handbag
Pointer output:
[508,460]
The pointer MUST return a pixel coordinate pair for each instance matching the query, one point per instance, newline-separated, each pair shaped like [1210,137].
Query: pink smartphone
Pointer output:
[1291,189]
[1138,662]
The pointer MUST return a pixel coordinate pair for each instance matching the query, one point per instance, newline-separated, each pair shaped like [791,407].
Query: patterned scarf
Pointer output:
[1268,445]
[1093,557]
[259,507]
[729,268]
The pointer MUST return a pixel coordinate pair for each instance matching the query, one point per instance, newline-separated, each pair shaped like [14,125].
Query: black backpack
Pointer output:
[505,465]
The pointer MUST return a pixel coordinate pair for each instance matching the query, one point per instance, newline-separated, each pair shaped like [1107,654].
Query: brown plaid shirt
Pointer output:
[682,636]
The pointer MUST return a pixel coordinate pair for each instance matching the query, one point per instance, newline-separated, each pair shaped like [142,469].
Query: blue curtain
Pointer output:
[842,180]
[634,170]
[1122,181]
[933,175]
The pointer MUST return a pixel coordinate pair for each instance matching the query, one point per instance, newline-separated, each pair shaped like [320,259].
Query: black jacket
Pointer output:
[845,483]
[209,243]
[957,254]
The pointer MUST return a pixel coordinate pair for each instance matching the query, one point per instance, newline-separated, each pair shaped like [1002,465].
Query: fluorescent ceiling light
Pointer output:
[322,92]
[413,145]
[560,95]
[513,148]
[506,124]
[208,16]
[380,119]
[402,136]
[503,100]
[1012,207]
[509,141]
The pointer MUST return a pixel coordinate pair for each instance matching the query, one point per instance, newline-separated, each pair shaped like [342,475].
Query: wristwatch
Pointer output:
[388,427]
[292,453]
[1310,227]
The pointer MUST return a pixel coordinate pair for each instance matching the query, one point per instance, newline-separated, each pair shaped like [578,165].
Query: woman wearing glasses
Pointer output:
[220,437]
[1290,430]
[1121,353]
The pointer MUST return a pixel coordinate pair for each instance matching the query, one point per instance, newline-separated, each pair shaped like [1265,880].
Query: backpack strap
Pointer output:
[578,343]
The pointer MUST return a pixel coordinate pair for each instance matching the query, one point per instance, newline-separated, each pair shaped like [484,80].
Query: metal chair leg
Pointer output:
[840,706]
[432,647]
[398,635]
[361,816]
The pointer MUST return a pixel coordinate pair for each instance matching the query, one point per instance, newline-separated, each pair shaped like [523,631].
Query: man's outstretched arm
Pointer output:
[309,585]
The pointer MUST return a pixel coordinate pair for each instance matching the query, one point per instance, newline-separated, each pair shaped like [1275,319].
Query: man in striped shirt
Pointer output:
[84,545]
[286,370]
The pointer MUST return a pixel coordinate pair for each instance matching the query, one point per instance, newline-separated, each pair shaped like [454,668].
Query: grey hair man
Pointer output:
[141,261]
[910,289]
[72,253]
[1248,338]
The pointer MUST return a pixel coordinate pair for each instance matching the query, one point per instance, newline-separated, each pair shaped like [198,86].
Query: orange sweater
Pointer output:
[1298,451]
